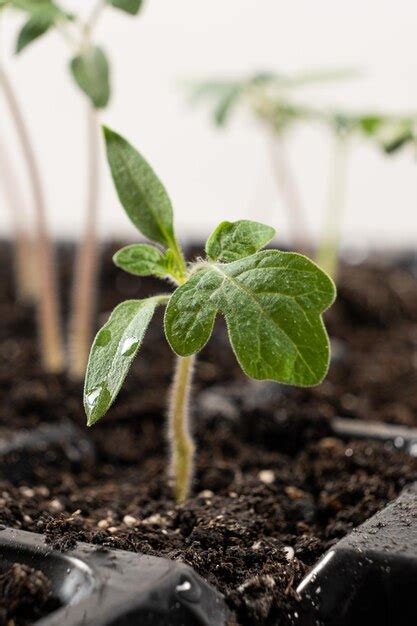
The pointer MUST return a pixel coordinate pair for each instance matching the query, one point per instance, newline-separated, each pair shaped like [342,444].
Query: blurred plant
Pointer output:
[271,98]
[22,249]
[52,350]
[89,68]
[387,132]
[272,302]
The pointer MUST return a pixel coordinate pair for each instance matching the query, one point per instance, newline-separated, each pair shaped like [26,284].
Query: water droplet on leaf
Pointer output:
[129,346]
[97,402]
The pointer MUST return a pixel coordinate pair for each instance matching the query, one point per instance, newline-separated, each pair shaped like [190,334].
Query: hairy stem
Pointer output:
[25,279]
[48,309]
[328,249]
[181,441]
[288,188]
[85,271]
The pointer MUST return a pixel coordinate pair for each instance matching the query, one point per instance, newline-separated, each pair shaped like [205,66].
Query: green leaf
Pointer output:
[394,133]
[112,353]
[129,6]
[140,191]
[91,73]
[47,8]
[226,103]
[234,240]
[370,124]
[142,260]
[272,302]
[35,27]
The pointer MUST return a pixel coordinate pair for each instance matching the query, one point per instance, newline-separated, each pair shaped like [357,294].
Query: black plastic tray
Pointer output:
[116,588]
[370,576]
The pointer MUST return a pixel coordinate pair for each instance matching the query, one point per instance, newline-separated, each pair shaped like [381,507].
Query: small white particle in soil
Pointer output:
[103,524]
[130,521]
[267,477]
[348,452]
[206,493]
[289,552]
[56,505]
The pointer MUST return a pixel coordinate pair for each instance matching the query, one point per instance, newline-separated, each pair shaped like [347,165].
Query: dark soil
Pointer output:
[273,488]
[25,595]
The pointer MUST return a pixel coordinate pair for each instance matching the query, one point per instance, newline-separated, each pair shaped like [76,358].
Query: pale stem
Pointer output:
[85,271]
[181,441]
[288,188]
[328,249]
[25,276]
[48,309]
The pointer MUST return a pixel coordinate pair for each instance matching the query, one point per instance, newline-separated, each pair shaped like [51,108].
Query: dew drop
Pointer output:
[97,402]
[93,396]
[129,346]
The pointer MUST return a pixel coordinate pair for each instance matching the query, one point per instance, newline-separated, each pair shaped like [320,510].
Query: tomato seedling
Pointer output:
[272,302]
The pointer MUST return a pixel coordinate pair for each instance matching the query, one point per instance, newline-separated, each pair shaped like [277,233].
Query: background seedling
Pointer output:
[272,302]
[90,70]
[52,349]
[271,98]
[387,132]
[25,279]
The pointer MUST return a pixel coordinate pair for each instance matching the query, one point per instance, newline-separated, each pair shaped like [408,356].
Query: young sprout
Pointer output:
[390,133]
[272,302]
[90,70]
[52,349]
[329,242]
[271,99]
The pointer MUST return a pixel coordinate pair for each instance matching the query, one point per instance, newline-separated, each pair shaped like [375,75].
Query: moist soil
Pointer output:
[273,489]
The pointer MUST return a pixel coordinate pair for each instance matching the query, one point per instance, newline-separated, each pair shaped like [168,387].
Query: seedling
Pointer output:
[272,302]
[271,99]
[90,70]
[387,132]
[52,350]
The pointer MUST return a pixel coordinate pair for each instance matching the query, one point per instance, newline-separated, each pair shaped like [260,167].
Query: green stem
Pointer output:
[328,250]
[181,441]
[181,266]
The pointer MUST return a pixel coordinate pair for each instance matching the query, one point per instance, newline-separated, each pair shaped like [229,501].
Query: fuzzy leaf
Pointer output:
[272,302]
[142,260]
[113,350]
[129,6]
[234,240]
[91,73]
[35,27]
[140,191]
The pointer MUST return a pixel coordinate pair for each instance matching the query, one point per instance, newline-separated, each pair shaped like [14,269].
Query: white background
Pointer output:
[211,174]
